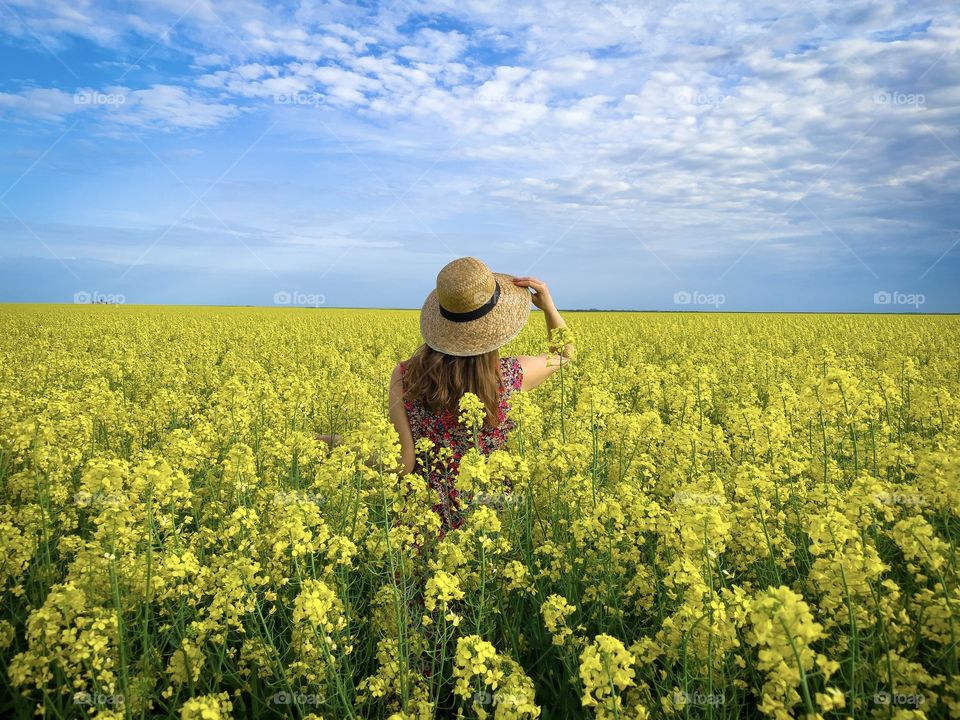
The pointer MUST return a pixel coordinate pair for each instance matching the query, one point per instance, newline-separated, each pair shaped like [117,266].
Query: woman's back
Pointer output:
[471,314]
[444,430]
[443,427]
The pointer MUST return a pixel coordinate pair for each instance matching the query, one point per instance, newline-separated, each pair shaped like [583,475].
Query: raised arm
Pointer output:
[537,368]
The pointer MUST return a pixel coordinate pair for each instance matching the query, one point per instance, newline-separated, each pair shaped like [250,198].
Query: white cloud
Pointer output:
[433,46]
[170,105]
[43,103]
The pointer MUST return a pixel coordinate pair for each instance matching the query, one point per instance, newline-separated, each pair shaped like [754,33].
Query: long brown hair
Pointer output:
[439,380]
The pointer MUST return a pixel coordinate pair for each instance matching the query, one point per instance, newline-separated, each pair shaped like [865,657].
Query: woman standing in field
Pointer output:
[470,315]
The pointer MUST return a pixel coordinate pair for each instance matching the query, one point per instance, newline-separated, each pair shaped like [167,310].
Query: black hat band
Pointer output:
[473,314]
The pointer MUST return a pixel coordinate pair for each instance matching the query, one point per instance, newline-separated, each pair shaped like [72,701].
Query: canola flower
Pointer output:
[606,669]
[704,516]
[555,611]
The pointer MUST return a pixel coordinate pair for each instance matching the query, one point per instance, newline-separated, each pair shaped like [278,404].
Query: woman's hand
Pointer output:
[537,368]
[541,295]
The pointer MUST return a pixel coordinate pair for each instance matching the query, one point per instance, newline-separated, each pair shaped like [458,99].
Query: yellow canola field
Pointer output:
[705,516]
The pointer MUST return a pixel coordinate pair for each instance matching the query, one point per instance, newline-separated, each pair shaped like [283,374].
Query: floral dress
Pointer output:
[445,431]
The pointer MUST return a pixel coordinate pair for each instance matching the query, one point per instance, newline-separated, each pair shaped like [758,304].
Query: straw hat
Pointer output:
[473,310]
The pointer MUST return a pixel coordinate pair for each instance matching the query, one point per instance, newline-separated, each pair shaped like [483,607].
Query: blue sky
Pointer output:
[711,155]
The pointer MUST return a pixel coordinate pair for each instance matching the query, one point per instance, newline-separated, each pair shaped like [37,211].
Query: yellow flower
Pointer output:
[555,611]
[319,607]
[472,412]
[782,627]
[487,678]
[442,587]
[606,671]
[207,707]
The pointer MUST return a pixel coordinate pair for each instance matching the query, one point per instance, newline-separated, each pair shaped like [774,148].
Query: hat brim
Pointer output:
[476,337]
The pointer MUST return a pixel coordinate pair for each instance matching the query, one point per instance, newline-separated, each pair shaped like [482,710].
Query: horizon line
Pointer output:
[565,310]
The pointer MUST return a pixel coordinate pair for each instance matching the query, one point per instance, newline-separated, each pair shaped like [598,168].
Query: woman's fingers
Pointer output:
[329,440]
[531,282]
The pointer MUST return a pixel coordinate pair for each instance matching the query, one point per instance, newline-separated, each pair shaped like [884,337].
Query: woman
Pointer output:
[464,321]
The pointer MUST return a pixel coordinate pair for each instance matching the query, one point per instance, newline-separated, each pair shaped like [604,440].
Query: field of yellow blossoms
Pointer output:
[709,516]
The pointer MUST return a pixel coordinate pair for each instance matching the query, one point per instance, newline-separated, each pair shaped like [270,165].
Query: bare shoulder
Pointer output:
[396,377]
[527,361]
[397,389]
